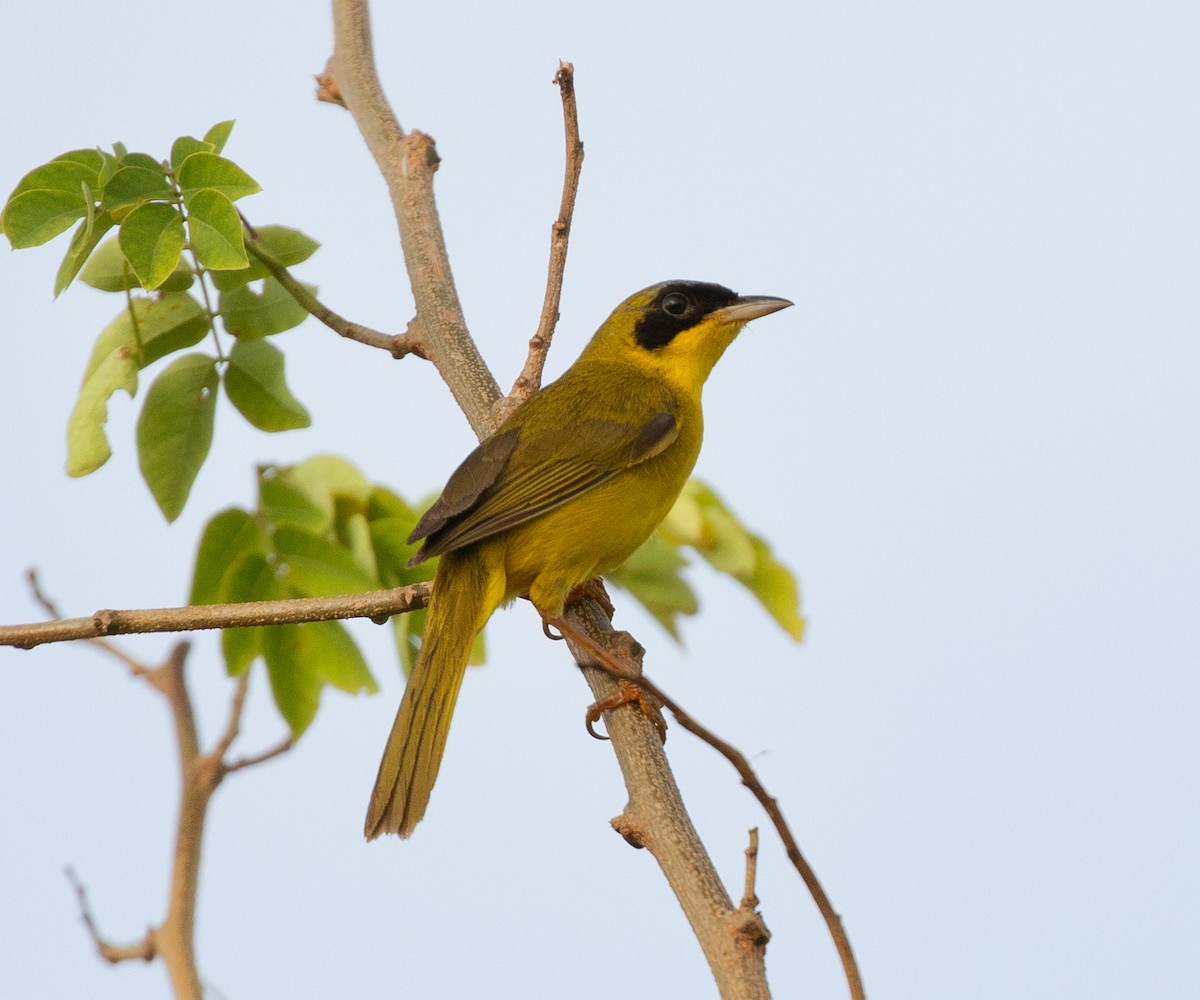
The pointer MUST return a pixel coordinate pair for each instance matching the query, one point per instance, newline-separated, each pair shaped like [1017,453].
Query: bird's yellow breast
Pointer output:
[597,531]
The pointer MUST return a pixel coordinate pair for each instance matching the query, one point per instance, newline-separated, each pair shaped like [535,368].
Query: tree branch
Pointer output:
[407,162]
[233,723]
[378,605]
[530,378]
[657,819]
[135,667]
[175,938]
[200,774]
[600,655]
[282,747]
[397,345]
[113,953]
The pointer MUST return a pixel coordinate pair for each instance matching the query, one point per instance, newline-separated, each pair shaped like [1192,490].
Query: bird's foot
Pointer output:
[620,655]
[627,693]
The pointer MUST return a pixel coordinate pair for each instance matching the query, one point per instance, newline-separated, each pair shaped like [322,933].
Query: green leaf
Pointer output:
[90,232]
[143,160]
[92,160]
[175,429]
[108,270]
[47,201]
[151,239]
[702,520]
[208,170]
[309,494]
[727,545]
[383,502]
[281,502]
[60,175]
[228,535]
[318,567]
[337,657]
[652,576]
[302,658]
[216,231]
[326,479]
[87,444]
[36,217]
[165,324]
[389,540]
[295,679]
[288,246]
[255,384]
[218,135]
[478,655]
[185,146]
[132,186]
[353,532]
[776,589]
[250,577]
[248,314]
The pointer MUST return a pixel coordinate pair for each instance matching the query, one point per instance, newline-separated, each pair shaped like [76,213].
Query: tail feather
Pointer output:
[466,590]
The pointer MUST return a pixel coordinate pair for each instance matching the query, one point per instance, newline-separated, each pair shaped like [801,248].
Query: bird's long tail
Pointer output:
[466,590]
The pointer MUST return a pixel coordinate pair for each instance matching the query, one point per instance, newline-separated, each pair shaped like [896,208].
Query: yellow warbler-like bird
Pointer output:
[568,487]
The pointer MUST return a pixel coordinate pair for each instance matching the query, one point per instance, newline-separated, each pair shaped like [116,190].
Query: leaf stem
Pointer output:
[201,273]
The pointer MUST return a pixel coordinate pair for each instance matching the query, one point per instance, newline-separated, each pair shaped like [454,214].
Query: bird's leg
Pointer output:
[593,588]
[623,667]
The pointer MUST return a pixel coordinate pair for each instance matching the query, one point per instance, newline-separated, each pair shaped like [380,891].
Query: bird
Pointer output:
[564,491]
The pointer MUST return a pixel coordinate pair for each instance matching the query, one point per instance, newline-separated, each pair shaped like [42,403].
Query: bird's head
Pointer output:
[678,329]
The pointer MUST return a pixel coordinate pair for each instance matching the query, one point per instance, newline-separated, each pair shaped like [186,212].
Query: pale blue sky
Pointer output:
[972,438]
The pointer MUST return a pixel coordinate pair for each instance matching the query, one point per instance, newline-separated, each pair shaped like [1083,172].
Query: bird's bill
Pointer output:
[749,307]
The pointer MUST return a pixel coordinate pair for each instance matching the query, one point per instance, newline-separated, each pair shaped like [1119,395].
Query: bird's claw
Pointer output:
[625,694]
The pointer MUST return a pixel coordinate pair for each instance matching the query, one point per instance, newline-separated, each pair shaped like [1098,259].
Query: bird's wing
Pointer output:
[521,473]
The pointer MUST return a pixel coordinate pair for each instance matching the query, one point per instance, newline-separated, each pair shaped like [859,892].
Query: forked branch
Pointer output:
[599,654]
[201,773]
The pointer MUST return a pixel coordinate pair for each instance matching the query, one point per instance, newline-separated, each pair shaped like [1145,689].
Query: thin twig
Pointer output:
[398,345]
[530,378]
[749,895]
[113,953]
[282,747]
[135,667]
[607,662]
[735,757]
[233,723]
[378,605]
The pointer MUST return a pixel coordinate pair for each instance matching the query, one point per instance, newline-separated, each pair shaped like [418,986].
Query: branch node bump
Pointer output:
[105,621]
[327,86]
[631,830]
[420,151]
[750,931]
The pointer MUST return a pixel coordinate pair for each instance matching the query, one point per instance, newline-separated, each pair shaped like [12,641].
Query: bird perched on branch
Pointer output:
[565,491]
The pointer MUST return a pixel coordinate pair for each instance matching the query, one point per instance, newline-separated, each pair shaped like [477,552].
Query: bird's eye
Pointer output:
[675,304]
